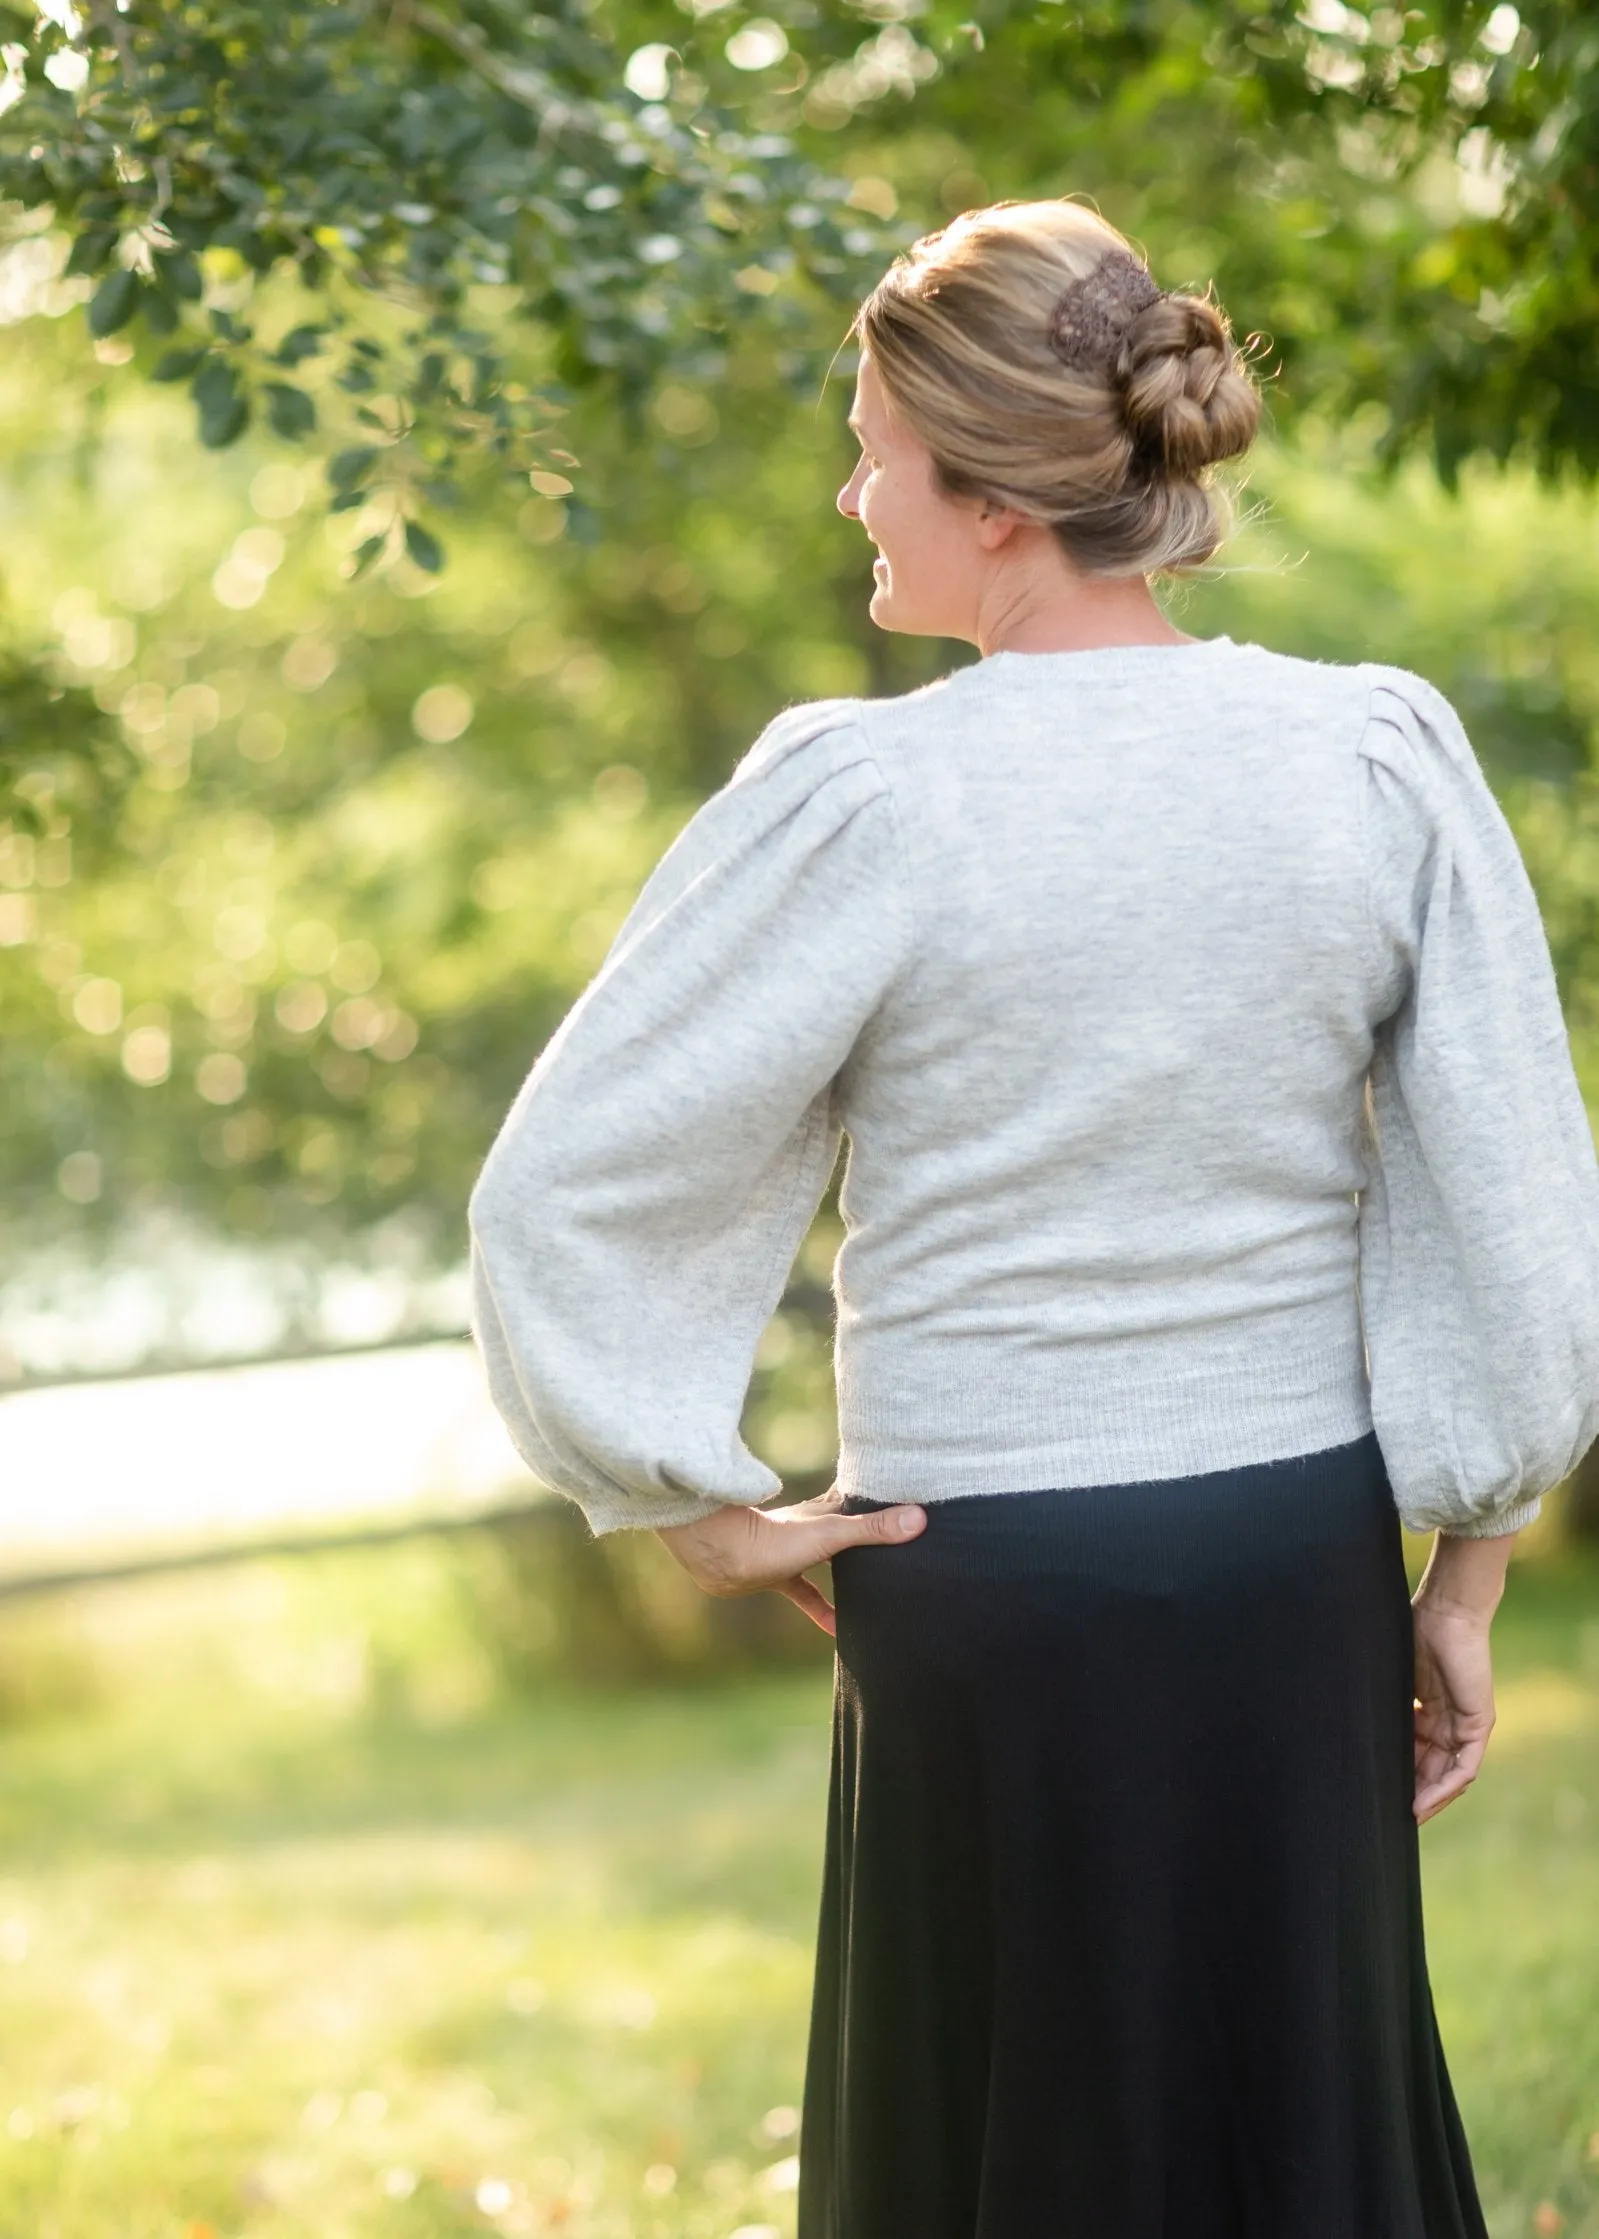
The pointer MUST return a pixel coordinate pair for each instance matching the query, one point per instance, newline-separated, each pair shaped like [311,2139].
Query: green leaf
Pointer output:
[220,429]
[177,365]
[347,468]
[215,385]
[91,249]
[113,302]
[290,410]
[180,274]
[366,552]
[223,408]
[299,344]
[424,547]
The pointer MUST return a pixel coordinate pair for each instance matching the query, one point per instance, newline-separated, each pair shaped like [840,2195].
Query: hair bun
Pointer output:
[1186,397]
[1028,349]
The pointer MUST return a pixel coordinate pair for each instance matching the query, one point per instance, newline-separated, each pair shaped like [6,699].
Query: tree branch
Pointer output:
[519,82]
[111,22]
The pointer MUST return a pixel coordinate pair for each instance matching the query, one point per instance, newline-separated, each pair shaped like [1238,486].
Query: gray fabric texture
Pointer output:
[1190,1022]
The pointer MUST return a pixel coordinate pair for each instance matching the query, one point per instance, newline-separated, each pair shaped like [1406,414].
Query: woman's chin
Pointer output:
[890,613]
[881,609]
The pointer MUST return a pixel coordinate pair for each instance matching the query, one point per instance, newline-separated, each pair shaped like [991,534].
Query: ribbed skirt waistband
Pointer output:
[1172,1528]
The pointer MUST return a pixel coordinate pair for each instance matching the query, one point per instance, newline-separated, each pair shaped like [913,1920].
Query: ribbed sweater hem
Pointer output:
[950,1440]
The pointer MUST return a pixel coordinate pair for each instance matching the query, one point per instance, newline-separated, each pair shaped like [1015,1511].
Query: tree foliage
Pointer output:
[1407,200]
[405,231]
[553,294]
[60,757]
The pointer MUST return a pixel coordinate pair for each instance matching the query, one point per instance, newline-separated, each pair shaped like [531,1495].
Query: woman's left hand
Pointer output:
[1451,1611]
[1454,1703]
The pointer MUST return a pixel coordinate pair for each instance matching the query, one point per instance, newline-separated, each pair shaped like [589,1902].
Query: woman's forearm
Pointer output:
[1465,1575]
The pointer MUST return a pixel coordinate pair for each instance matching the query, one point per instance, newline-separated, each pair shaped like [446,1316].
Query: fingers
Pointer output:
[819,1504]
[1454,1717]
[1443,1775]
[815,1604]
[819,1538]
[1430,1801]
[828,1535]
[749,1550]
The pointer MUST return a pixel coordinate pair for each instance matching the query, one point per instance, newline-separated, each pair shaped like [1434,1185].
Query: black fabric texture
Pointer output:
[1121,1923]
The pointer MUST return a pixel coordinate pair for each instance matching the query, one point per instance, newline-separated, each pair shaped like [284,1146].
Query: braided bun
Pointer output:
[1022,346]
[1187,400]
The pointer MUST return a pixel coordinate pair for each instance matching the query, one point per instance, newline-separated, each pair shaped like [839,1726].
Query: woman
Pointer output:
[1218,1194]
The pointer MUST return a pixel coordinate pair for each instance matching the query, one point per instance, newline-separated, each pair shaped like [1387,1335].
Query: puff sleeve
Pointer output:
[637,1216]
[1479,1224]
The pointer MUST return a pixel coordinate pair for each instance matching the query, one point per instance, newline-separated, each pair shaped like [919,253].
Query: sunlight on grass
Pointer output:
[1512,1902]
[279,1962]
[404,1984]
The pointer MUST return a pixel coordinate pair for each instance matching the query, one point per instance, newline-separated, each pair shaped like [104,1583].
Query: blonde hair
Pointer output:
[1111,447]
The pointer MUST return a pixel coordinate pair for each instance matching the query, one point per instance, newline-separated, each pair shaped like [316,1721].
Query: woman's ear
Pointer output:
[996,525]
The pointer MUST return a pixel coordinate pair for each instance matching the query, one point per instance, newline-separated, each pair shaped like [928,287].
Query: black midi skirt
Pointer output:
[1121,1928]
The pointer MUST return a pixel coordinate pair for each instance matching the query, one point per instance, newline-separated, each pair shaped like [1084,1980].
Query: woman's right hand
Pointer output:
[759,1550]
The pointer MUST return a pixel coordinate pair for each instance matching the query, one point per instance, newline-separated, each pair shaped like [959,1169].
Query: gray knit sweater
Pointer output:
[1190,1021]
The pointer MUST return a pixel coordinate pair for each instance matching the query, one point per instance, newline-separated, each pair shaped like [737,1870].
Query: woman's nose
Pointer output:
[848,503]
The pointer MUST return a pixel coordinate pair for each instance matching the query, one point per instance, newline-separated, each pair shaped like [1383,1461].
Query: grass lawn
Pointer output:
[307,1930]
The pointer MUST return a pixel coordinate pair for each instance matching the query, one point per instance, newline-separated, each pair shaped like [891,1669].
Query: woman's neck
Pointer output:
[1041,604]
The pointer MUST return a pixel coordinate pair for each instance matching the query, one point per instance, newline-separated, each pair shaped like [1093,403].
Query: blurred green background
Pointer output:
[466,1883]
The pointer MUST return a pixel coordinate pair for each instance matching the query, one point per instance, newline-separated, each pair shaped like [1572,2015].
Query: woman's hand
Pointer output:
[1452,1611]
[753,1550]
[1454,1705]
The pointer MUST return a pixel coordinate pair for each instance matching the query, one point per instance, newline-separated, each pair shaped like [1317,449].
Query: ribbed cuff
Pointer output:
[605,1517]
[1495,1527]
